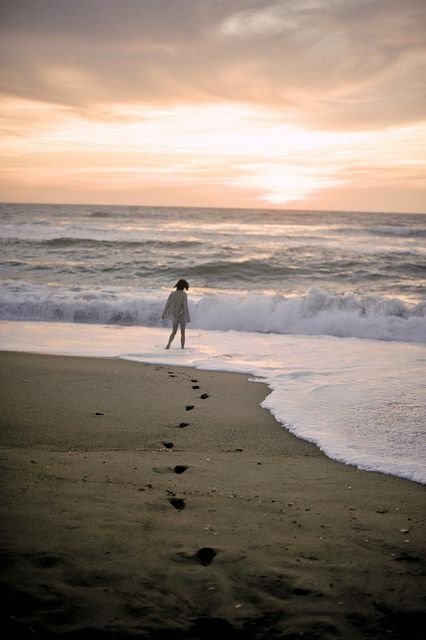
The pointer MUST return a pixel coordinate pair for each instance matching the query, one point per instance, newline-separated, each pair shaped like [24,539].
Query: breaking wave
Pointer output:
[319,312]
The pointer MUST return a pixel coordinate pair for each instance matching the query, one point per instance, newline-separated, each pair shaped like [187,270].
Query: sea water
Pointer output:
[328,309]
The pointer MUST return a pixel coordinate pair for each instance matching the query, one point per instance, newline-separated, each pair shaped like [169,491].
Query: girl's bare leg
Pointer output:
[182,336]
[172,335]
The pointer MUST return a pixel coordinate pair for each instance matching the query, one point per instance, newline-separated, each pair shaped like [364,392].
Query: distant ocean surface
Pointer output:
[356,278]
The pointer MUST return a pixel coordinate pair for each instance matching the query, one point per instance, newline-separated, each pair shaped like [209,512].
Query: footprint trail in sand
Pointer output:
[204,555]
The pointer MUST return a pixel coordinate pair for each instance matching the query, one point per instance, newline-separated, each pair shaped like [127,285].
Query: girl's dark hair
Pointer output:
[181,285]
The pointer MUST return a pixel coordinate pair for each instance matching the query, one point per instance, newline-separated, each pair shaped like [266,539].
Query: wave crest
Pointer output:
[318,312]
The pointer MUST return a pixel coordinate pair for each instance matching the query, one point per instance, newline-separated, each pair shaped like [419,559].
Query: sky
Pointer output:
[292,104]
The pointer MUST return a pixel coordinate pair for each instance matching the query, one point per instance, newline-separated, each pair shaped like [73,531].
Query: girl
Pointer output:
[176,310]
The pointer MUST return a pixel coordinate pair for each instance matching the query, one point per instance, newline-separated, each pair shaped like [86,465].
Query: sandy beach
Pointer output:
[157,502]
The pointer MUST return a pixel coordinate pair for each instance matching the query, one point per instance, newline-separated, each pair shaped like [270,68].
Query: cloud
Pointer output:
[340,63]
[268,20]
[221,102]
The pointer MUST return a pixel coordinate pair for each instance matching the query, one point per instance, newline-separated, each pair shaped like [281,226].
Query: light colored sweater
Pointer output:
[176,308]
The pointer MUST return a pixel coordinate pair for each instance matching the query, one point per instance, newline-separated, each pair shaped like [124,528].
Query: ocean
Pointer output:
[327,308]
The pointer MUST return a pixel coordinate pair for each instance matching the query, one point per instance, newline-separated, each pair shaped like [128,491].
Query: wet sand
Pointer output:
[157,502]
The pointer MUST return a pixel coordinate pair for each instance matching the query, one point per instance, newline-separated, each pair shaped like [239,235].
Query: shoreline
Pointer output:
[104,522]
[303,364]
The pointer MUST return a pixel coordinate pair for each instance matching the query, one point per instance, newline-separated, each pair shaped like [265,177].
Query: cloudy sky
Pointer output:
[316,104]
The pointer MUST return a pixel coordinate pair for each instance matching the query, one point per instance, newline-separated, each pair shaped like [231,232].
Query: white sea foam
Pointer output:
[361,401]
[317,313]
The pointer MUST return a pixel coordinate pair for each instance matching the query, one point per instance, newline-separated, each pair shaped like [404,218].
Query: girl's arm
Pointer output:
[166,308]
[185,306]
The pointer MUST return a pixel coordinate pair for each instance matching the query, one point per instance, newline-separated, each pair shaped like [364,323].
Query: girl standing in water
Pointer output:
[176,310]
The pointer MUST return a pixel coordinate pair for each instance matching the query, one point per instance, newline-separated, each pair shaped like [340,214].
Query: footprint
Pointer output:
[194,380]
[180,468]
[208,627]
[168,445]
[203,396]
[182,425]
[44,561]
[189,407]
[196,386]
[177,503]
[205,555]
[299,591]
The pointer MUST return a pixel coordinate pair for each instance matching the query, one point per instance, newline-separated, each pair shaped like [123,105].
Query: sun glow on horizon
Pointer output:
[249,153]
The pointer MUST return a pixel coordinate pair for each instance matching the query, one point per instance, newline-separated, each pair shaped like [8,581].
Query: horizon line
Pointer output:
[265,209]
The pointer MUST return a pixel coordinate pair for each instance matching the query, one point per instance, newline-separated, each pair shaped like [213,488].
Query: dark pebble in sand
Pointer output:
[98,413]
[182,425]
[204,396]
[169,445]
[194,380]
[205,555]
[177,503]
[189,407]
[196,386]
[180,468]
